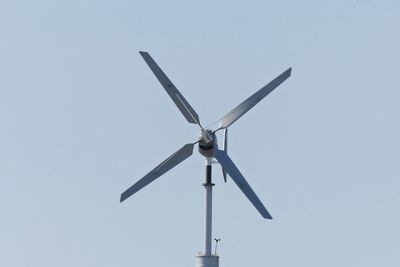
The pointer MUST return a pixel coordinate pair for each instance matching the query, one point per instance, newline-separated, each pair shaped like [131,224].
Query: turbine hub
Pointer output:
[207,143]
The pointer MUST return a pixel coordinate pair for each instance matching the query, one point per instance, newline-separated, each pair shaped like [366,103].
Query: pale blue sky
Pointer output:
[82,118]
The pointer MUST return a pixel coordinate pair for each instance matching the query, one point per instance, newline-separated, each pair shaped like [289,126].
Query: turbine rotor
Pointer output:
[208,145]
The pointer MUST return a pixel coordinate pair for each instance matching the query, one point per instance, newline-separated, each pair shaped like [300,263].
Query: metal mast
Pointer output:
[207,259]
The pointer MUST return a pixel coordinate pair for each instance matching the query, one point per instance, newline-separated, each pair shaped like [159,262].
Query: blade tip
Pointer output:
[143,53]
[268,216]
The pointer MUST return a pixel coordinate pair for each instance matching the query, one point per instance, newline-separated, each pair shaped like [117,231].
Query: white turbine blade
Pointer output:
[250,102]
[176,158]
[240,181]
[184,106]
[225,148]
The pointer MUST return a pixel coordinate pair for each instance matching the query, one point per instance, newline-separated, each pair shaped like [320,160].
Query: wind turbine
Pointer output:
[208,147]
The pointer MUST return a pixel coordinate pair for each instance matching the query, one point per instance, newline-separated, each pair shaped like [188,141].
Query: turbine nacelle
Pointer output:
[207,143]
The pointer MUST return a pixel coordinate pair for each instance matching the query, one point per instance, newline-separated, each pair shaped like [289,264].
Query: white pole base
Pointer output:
[207,261]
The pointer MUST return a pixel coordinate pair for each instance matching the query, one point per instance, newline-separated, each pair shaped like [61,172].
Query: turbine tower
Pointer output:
[208,147]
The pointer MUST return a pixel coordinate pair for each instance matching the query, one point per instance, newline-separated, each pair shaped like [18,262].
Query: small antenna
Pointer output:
[216,245]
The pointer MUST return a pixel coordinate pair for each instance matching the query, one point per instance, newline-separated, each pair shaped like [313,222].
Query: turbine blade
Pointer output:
[250,102]
[240,181]
[176,158]
[184,106]
[225,148]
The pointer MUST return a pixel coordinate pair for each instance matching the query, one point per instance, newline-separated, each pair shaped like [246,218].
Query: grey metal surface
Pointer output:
[207,261]
[225,148]
[208,185]
[184,106]
[176,158]
[240,181]
[208,219]
[250,102]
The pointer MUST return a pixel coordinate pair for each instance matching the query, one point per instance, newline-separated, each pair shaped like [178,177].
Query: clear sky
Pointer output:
[83,118]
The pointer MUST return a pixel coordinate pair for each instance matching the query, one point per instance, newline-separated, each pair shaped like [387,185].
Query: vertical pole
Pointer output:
[208,207]
[207,259]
